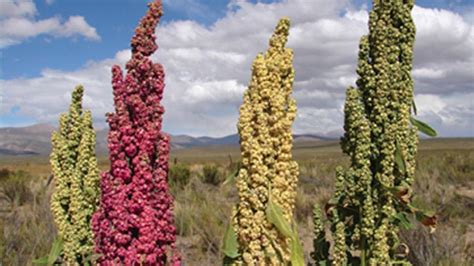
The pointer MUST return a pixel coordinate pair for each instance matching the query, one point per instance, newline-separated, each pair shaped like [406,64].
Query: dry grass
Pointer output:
[28,228]
[445,183]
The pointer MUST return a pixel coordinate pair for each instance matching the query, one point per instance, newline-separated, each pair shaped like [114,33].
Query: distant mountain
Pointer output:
[28,140]
[36,139]
[184,141]
[227,140]
[101,141]
[310,137]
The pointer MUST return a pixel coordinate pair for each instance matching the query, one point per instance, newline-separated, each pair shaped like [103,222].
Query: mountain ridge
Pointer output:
[36,139]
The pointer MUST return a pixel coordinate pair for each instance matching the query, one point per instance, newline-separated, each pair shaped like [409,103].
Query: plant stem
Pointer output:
[363,253]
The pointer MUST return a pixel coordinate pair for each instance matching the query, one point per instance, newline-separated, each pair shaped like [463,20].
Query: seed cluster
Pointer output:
[134,223]
[267,168]
[377,128]
[74,168]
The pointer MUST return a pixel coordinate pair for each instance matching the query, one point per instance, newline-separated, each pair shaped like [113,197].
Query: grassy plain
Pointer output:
[444,184]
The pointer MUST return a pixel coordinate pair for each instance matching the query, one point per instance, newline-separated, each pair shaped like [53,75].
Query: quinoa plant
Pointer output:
[76,194]
[262,231]
[372,198]
[134,224]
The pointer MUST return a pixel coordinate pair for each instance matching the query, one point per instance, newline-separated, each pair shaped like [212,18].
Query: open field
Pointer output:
[445,184]
[302,151]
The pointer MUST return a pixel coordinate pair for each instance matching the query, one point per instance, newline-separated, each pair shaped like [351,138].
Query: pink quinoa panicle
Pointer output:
[134,223]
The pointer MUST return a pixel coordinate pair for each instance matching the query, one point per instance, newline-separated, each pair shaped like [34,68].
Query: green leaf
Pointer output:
[414,106]
[41,261]
[404,222]
[399,160]
[323,263]
[423,127]
[297,254]
[275,216]
[274,245]
[228,261]
[231,177]
[55,251]
[231,246]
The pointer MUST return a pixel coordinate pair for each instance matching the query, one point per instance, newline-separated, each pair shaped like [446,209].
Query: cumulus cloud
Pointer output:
[46,96]
[18,23]
[444,55]
[208,68]
[448,113]
[14,8]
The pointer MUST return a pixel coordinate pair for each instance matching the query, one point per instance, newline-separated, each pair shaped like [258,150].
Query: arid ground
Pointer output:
[204,197]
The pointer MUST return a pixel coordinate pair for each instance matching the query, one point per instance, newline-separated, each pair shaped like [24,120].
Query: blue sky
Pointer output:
[115,22]
[29,60]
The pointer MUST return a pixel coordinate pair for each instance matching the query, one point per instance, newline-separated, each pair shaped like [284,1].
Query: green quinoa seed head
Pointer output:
[377,128]
[74,167]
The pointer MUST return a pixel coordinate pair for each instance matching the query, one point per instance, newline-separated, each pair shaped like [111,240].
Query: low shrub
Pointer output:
[14,187]
[179,175]
[4,173]
[446,246]
[211,174]
[27,229]
[201,214]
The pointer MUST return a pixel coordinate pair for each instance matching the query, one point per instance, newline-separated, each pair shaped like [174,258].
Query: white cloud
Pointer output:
[78,25]
[18,23]
[15,8]
[211,92]
[428,73]
[448,113]
[208,68]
